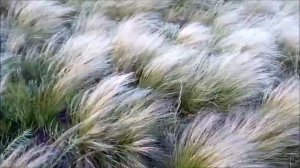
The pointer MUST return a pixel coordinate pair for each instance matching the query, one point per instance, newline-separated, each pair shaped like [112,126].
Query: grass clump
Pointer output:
[118,125]
[136,44]
[205,143]
[32,23]
[29,98]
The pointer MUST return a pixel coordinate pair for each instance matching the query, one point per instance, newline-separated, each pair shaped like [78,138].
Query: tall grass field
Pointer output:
[149,84]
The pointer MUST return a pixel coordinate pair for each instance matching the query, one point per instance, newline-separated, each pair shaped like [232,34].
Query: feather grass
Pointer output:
[117,125]
[135,44]
[62,77]
[205,143]
[34,22]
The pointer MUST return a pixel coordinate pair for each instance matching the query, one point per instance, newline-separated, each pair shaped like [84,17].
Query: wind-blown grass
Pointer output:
[35,21]
[29,97]
[219,81]
[117,126]
[195,34]
[276,128]
[135,44]
[205,143]
[140,84]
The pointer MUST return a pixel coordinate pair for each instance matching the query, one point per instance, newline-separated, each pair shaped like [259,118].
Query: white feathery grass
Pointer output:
[16,40]
[20,140]
[262,7]
[93,22]
[5,70]
[228,81]
[228,19]
[195,10]
[35,156]
[248,27]
[289,38]
[249,71]
[82,59]
[263,140]
[4,79]
[284,99]
[234,16]
[205,143]
[160,73]
[254,40]
[32,22]
[195,34]
[120,9]
[206,15]
[222,81]
[22,153]
[275,137]
[106,91]
[135,44]
[207,54]
[275,127]
[117,124]
[40,18]
[291,8]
